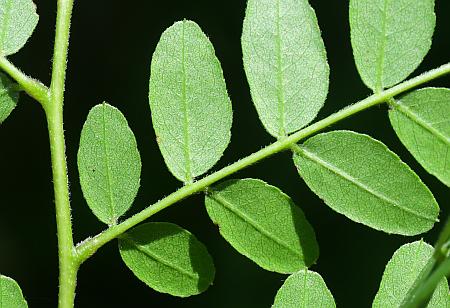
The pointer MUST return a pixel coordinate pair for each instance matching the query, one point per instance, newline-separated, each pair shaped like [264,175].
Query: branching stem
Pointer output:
[68,265]
[31,86]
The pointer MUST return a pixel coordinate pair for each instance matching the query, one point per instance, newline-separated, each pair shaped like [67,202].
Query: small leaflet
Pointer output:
[285,63]
[18,18]
[167,258]
[249,213]
[390,38]
[10,294]
[362,179]
[109,163]
[304,289]
[421,120]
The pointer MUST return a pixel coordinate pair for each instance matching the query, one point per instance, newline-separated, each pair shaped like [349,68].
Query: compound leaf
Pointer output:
[390,38]
[263,224]
[285,62]
[304,289]
[10,294]
[421,120]
[109,163]
[400,274]
[191,110]
[9,95]
[168,259]
[361,178]
[18,18]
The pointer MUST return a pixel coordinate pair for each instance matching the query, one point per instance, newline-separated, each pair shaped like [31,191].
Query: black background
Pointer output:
[110,52]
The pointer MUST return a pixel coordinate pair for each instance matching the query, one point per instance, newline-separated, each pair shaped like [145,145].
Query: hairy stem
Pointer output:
[88,247]
[68,264]
[31,86]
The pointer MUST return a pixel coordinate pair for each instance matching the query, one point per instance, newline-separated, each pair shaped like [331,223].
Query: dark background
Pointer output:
[111,47]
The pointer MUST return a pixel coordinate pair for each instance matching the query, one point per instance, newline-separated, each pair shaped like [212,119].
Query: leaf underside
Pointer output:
[191,110]
[263,223]
[390,38]
[304,289]
[109,163]
[400,274]
[285,63]
[10,294]
[421,120]
[168,259]
[361,178]
[18,18]
[8,97]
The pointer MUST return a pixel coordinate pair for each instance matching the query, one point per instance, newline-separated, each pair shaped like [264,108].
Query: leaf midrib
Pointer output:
[280,87]
[380,64]
[422,122]
[108,172]
[187,152]
[160,259]
[341,173]
[241,215]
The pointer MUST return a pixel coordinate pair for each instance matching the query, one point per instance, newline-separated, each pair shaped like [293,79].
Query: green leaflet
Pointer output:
[18,19]
[285,62]
[168,259]
[421,120]
[390,38]
[304,289]
[400,274]
[361,178]
[10,294]
[191,110]
[263,224]
[109,163]
[9,95]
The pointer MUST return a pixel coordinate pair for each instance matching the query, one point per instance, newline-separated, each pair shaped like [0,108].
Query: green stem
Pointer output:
[425,283]
[91,245]
[441,251]
[68,265]
[31,86]
[425,291]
